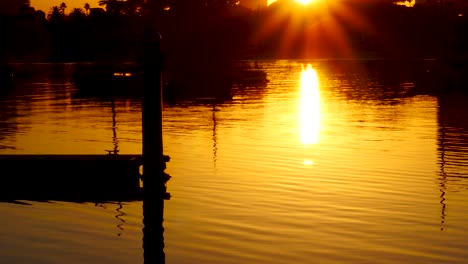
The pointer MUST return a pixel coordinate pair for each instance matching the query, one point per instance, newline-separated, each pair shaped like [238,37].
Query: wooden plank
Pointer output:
[71,157]
[77,177]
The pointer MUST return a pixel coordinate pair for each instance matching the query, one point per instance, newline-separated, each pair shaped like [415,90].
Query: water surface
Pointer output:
[329,164]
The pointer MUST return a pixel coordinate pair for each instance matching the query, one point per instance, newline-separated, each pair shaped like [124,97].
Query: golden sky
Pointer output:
[45,5]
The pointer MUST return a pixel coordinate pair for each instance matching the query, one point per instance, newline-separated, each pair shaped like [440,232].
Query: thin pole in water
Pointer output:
[154,189]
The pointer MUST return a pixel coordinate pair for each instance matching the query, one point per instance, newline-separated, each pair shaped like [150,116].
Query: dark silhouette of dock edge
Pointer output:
[70,177]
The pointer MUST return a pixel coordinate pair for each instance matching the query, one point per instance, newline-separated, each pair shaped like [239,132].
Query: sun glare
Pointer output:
[304,2]
[309,112]
[309,28]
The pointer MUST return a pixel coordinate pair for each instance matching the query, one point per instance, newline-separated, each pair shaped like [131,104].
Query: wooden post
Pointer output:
[154,187]
[153,164]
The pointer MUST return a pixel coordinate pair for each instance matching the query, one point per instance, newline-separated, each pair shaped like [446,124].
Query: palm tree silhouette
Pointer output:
[77,15]
[55,15]
[87,7]
[62,8]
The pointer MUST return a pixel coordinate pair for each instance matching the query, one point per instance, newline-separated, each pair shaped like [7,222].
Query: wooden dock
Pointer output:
[70,177]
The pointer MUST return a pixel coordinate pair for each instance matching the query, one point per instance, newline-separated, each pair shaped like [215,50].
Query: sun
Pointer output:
[304,2]
[316,28]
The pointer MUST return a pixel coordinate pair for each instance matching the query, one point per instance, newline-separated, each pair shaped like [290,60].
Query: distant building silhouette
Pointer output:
[254,4]
[12,7]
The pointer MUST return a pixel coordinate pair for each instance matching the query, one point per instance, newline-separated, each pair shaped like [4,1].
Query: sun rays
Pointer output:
[314,29]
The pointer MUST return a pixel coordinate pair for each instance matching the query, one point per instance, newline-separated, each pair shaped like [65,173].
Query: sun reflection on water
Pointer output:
[309,112]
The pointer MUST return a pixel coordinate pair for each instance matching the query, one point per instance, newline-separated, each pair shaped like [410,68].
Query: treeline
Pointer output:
[80,35]
[214,31]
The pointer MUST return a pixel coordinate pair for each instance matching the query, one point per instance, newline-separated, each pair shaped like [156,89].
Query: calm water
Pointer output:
[328,164]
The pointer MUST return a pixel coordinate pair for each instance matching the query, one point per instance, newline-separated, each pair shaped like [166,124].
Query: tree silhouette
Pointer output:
[55,15]
[62,8]
[56,20]
[223,29]
[87,7]
[13,7]
[77,15]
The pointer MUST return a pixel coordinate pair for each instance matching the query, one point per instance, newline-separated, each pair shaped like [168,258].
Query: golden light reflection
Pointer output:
[309,112]
[407,3]
[122,74]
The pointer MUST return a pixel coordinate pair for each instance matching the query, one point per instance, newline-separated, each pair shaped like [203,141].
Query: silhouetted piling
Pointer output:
[154,189]
[153,163]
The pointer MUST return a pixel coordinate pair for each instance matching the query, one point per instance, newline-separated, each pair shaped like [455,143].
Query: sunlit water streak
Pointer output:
[327,164]
[310,106]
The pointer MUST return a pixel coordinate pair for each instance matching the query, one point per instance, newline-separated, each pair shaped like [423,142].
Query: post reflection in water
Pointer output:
[119,216]
[153,230]
[309,108]
[453,151]
[215,148]
[120,213]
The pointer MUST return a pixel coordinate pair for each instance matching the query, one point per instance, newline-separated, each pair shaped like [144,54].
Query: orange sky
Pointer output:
[45,5]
